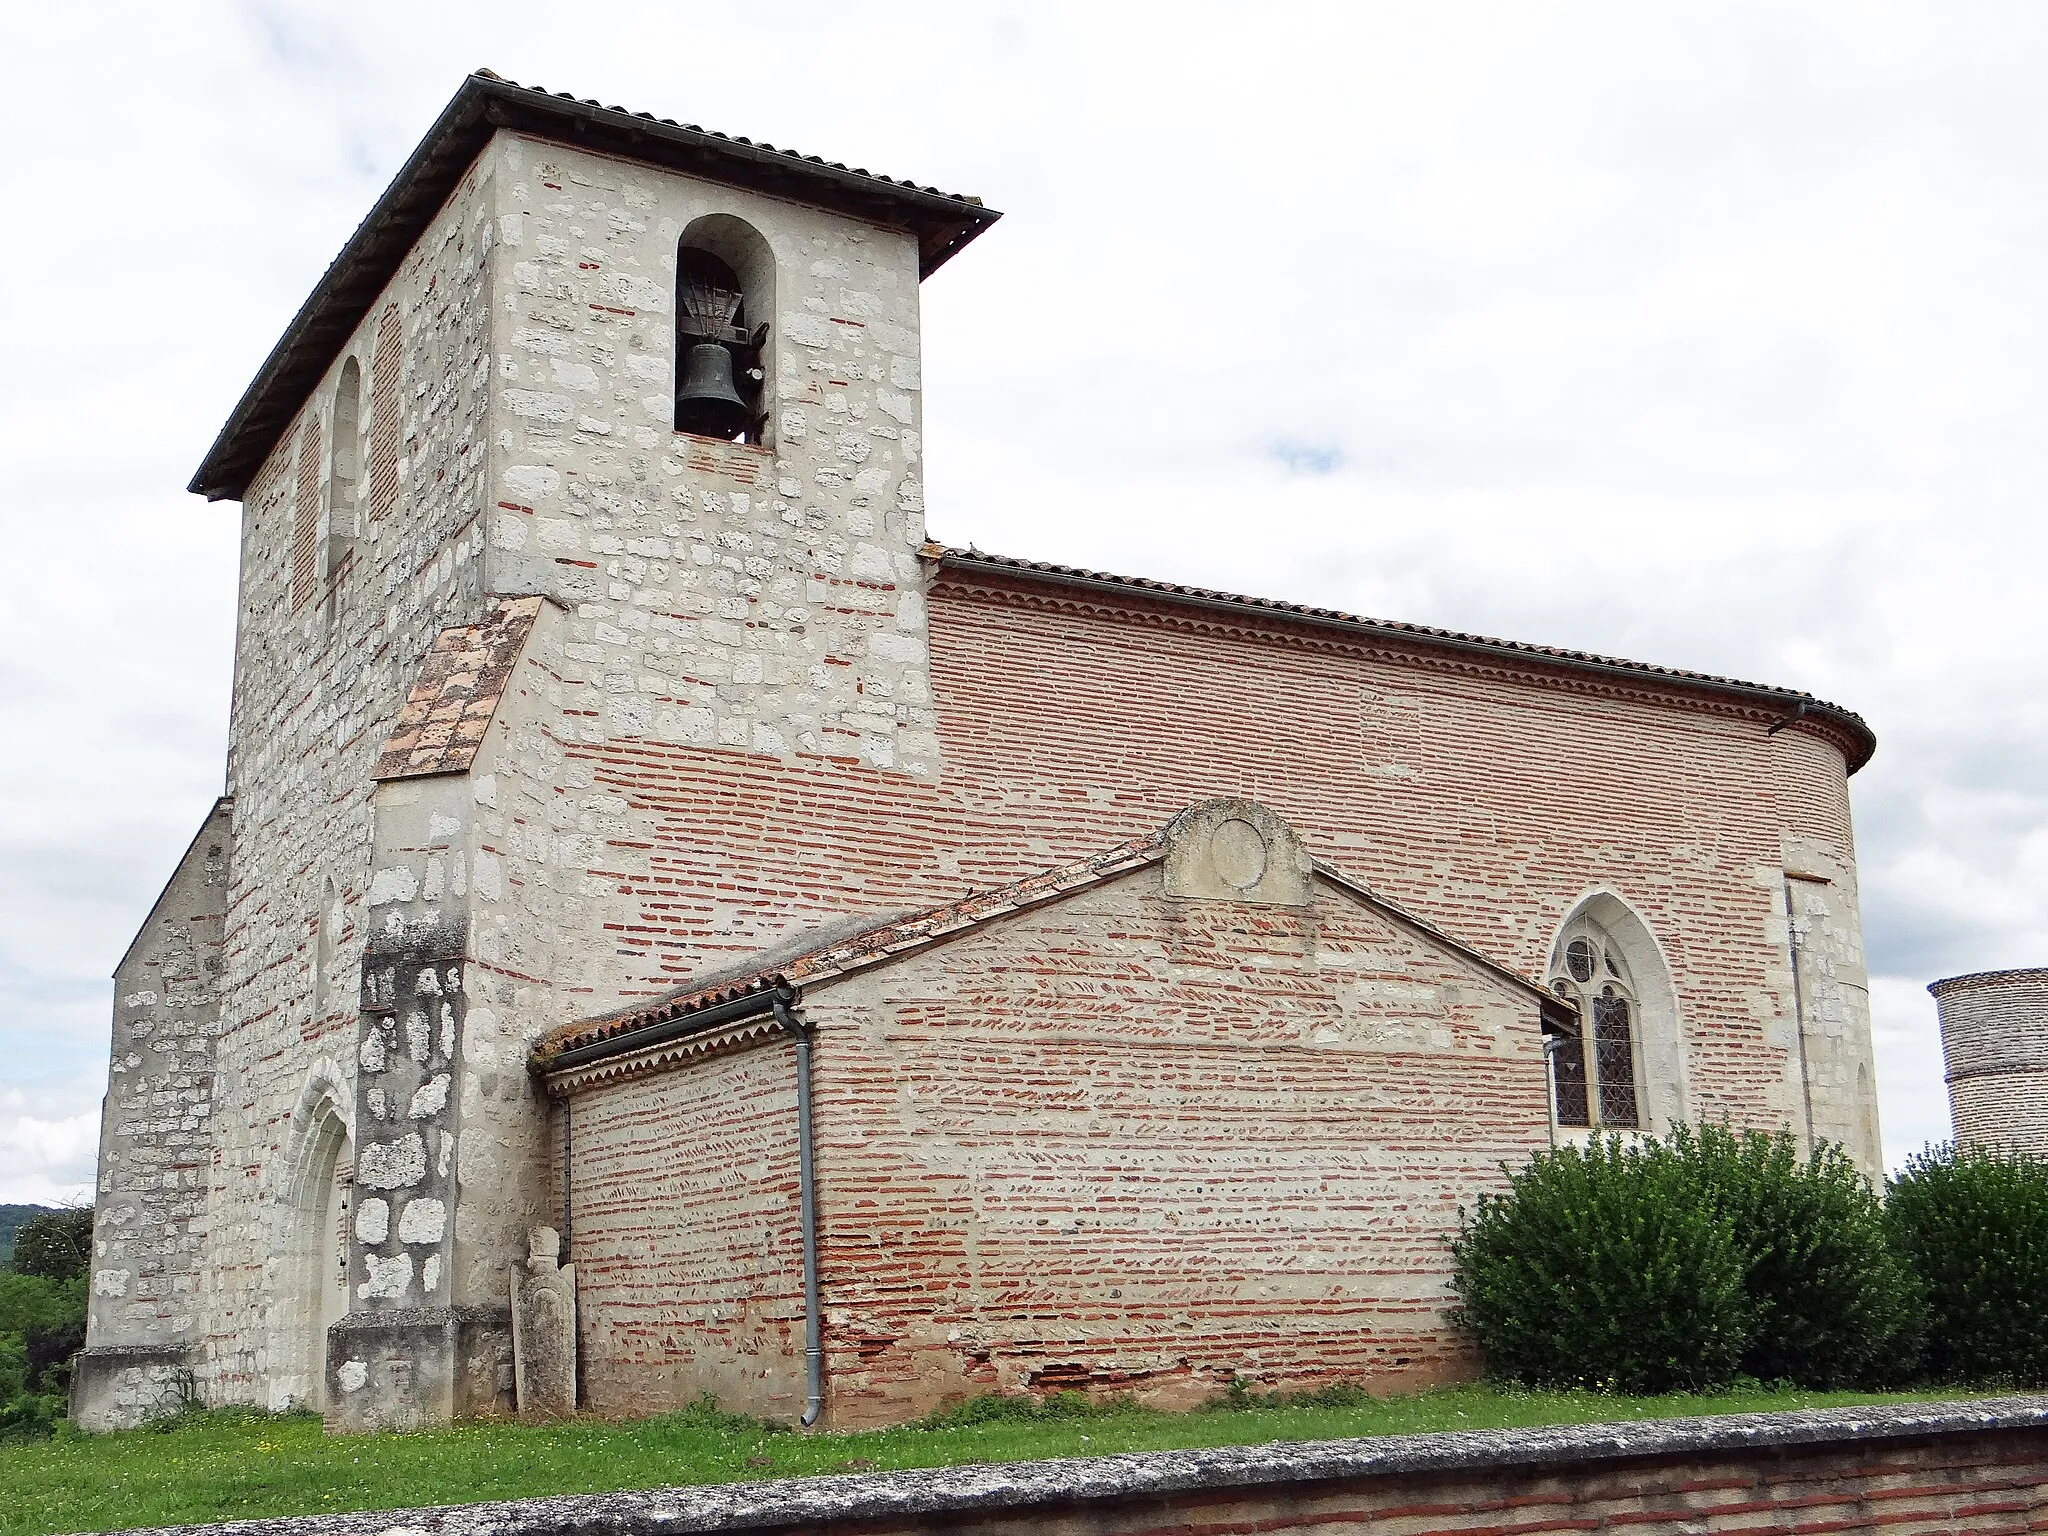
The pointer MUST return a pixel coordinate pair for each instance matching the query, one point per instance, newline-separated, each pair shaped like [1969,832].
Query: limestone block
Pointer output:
[544,1329]
[1236,850]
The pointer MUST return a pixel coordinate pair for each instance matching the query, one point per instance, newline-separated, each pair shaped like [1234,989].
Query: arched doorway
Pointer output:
[316,1280]
[338,1189]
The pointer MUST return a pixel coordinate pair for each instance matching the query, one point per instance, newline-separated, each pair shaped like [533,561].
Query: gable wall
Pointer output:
[1118,1143]
[156,1123]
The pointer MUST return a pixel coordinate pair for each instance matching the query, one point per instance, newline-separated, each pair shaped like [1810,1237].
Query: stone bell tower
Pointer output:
[599,441]
[707,442]
[702,510]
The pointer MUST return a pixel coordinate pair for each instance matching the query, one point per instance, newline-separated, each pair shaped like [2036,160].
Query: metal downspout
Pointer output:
[1551,1043]
[1799,1010]
[807,1185]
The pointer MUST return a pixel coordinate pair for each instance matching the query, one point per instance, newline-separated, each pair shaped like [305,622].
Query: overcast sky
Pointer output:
[1708,335]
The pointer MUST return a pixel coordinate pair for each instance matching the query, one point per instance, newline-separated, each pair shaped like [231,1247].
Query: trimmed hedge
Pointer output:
[1599,1268]
[1833,1305]
[1685,1263]
[1974,1224]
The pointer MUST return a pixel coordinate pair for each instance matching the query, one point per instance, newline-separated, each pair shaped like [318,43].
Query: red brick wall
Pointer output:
[1487,803]
[684,1233]
[1982,1484]
[1118,1143]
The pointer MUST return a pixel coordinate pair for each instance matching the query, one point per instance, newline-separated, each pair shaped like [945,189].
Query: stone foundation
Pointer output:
[126,1385]
[420,1366]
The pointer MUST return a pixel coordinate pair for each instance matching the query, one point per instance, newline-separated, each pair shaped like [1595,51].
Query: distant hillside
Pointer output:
[12,1219]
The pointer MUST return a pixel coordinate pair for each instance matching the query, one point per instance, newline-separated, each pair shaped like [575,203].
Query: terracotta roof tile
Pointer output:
[461,680]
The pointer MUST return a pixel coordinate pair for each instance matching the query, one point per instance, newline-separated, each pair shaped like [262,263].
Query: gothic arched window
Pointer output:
[1594,1068]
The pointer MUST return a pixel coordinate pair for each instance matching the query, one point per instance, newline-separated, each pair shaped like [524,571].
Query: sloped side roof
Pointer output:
[866,947]
[443,719]
[755,989]
[943,222]
[1848,728]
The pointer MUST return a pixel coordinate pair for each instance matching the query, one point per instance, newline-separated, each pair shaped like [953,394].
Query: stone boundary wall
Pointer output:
[1978,1467]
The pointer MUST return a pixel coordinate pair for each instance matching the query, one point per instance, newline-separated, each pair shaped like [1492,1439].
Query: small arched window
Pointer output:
[348,434]
[1594,1067]
[724,296]
[328,924]
[305,563]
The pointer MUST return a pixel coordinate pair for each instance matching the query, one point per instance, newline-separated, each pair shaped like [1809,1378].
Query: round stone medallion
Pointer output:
[1238,853]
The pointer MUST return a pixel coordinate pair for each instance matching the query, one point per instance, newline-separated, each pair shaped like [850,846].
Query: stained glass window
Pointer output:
[1614,1056]
[1578,959]
[1593,1070]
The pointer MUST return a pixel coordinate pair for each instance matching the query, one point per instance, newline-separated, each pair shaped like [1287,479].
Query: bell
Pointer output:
[706,402]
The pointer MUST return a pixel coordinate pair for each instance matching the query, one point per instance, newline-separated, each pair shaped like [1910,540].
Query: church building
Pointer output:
[673,926]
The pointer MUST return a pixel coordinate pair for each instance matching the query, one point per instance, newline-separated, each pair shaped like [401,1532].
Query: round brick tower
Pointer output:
[1994,1036]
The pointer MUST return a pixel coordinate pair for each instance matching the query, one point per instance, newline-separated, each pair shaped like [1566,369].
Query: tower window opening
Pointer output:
[719,370]
[344,477]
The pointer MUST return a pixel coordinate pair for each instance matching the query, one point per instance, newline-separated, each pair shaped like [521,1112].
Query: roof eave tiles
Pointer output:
[943,222]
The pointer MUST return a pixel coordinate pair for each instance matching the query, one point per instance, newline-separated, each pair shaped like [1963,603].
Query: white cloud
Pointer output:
[1712,338]
[42,1161]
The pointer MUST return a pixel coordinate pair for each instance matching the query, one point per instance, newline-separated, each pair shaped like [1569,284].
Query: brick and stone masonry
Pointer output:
[1994,1039]
[544,710]
[1149,1124]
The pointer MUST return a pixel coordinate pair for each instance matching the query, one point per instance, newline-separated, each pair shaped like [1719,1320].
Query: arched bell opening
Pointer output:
[1623,1067]
[725,296]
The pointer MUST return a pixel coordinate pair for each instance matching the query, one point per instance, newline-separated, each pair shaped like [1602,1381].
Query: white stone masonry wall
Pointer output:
[722,595]
[316,686]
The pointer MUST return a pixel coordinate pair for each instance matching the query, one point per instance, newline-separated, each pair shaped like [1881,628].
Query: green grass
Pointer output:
[232,1465]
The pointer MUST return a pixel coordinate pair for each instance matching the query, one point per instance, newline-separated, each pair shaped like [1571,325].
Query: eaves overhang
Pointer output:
[1779,707]
[943,223]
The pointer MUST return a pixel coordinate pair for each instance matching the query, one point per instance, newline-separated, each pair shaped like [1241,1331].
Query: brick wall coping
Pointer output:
[964,1491]
[1101,591]
[1977,979]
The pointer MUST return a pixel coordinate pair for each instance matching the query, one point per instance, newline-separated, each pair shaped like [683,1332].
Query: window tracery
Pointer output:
[1593,1070]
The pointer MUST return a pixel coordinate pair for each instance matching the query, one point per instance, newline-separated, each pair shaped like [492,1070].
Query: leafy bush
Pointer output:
[1600,1267]
[1973,1223]
[42,1324]
[1022,1407]
[1686,1263]
[1831,1304]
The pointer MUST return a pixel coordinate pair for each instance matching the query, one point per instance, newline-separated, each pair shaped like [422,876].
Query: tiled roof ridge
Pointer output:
[1970,979]
[486,103]
[1798,701]
[882,940]
[734,139]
